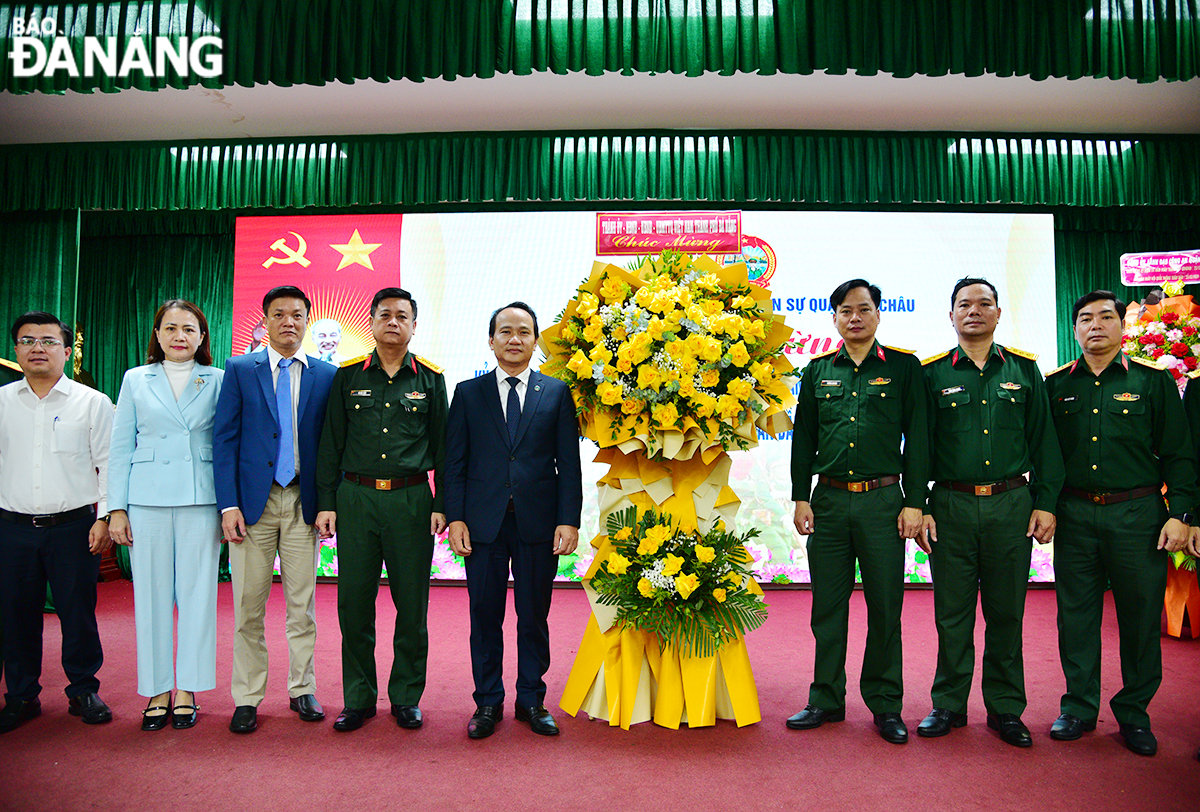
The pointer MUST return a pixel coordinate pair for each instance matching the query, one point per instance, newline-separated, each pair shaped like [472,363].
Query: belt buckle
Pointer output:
[1098,498]
[856,487]
[43,521]
[383,484]
[983,490]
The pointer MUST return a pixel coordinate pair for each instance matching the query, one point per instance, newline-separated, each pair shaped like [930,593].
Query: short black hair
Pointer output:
[394,293]
[511,306]
[42,317]
[966,282]
[1096,296]
[841,291]
[286,292]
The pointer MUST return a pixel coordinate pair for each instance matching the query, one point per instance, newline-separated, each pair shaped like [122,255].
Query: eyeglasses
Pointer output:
[48,343]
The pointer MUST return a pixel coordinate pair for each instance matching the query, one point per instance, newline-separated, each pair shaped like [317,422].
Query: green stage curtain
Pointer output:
[1087,250]
[40,255]
[286,42]
[805,169]
[125,278]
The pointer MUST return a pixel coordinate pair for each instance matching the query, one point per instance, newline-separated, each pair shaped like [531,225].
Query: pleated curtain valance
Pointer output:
[289,42]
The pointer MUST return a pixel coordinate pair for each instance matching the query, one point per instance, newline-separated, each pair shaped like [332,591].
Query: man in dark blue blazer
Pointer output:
[265,436]
[513,493]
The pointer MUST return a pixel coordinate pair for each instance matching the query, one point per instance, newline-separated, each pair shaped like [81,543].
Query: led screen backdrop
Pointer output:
[461,267]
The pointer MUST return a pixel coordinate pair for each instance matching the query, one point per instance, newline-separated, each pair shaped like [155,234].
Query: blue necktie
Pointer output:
[513,410]
[285,467]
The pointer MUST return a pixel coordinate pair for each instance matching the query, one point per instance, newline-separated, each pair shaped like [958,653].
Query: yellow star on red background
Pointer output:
[356,252]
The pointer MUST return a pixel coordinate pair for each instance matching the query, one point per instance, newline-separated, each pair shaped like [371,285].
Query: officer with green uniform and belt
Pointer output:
[1123,433]
[856,404]
[1191,407]
[385,428]
[991,426]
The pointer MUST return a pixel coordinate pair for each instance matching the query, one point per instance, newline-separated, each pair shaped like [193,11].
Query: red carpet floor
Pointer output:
[57,763]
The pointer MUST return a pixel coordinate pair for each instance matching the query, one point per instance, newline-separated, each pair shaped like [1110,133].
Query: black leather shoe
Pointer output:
[483,723]
[407,716]
[539,719]
[1068,728]
[812,716]
[159,721]
[891,728]
[1140,740]
[91,708]
[939,722]
[308,707]
[1012,730]
[245,719]
[17,712]
[184,716]
[352,718]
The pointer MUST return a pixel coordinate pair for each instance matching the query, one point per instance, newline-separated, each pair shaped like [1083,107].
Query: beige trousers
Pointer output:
[282,531]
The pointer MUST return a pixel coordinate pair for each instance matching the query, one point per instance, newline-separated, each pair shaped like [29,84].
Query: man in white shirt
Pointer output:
[54,436]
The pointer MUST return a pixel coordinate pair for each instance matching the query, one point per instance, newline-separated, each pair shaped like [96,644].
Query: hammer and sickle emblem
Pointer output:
[292,256]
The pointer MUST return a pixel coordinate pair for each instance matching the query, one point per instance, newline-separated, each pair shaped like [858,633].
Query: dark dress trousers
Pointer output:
[512,495]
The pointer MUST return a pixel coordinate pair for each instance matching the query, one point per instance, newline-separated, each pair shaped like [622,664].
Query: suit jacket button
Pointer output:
[512,456]
[270,465]
[506,485]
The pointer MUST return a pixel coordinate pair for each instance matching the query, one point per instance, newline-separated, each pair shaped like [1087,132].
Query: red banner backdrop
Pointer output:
[339,261]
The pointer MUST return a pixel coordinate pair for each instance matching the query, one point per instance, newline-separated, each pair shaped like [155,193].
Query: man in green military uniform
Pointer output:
[1123,434]
[385,429]
[1191,407]
[856,405]
[990,427]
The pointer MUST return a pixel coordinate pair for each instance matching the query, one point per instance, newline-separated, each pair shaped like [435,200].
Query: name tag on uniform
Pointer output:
[953,390]
[360,393]
[831,383]
[1010,385]
[879,381]
[1126,397]
[1068,400]
[415,396]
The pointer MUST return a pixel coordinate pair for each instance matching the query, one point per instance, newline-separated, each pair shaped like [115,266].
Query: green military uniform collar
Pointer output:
[876,351]
[1121,361]
[959,354]
[409,361]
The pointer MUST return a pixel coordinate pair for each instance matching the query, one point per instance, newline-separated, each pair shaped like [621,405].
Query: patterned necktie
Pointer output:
[513,410]
[285,466]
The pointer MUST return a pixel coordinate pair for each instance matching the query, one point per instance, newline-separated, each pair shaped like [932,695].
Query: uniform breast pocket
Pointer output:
[69,438]
[1128,419]
[953,413]
[1010,408]
[830,403]
[882,404]
[359,404]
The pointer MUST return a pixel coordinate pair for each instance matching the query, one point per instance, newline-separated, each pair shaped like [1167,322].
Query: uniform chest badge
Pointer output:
[360,393]
[415,395]
[953,390]
[879,381]
[1010,385]
[1126,397]
[831,383]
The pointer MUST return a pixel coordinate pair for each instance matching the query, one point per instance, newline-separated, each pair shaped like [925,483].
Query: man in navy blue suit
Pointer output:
[513,493]
[265,436]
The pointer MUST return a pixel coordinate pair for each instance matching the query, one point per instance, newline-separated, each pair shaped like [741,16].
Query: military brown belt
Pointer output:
[387,484]
[1111,498]
[859,487]
[991,489]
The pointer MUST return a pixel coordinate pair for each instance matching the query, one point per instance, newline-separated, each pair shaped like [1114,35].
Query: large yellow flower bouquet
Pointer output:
[686,588]
[677,347]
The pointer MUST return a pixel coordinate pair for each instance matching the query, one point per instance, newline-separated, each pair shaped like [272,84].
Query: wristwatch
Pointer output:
[1186,518]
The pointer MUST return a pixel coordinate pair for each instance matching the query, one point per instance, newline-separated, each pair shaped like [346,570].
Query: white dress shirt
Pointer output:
[522,387]
[297,359]
[54,450]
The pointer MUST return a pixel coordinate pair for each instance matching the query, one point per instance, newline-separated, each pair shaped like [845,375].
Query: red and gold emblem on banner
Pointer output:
[759,257]
[652,232]
[339,261]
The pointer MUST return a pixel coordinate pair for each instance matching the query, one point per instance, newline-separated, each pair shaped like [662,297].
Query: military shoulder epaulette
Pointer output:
[1060,369]
[898,349]
[354,361]
[1195,373]
[933,358]
[427,363]
[1032,356]
[1144,362]
[823,354]
[13,365]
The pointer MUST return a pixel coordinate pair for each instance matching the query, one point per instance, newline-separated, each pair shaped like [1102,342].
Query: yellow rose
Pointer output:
[665,414]
[612,289]
[705,555]
[711,350]
[673,566]
[609,372]
[632,406]
[739,355]
[686,584]
[611,394]
[646,588]
[712,307]
[655,329]
[676,349]
[687,388]
[740,389]
[648,377]
[653,539]
[694,313]
[719,594]
[762,372]
[708,282]
[754,329]
[588,303]
[743,302]
[688,367]
[600,354]
[620,333]
[644,296]
[706,405]
[623,533]
[710,378]
[624,366]
[594,332]
[580,365]
[617,564]
[729,406]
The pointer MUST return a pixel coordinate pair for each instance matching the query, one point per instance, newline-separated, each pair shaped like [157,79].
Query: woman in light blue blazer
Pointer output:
[164,506]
